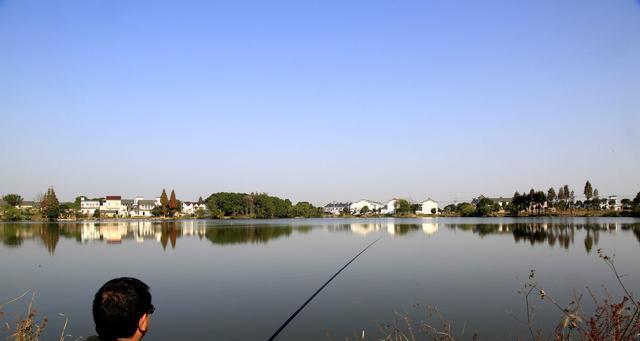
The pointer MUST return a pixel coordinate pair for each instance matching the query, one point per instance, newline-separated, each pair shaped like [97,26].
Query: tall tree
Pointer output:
[12,199]
[50,206]
[551,194]
[173,204]
[588,190]
[596,194]
[561,195]
[200,201]
[164,202]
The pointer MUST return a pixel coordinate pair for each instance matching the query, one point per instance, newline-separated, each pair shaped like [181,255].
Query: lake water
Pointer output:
[239,280]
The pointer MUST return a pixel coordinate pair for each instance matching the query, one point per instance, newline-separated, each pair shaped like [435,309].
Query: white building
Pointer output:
[189,207]
[89,207]
[113,207]
[356,207]
[142,208]
[428,206]
[390,207]
[336,208]
[611,203]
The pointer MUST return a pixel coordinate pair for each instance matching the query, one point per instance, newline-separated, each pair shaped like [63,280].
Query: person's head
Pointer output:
[121,309]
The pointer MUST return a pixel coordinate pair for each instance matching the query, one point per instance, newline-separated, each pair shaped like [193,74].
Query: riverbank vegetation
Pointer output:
[259,206]
[550,203]
[612,318]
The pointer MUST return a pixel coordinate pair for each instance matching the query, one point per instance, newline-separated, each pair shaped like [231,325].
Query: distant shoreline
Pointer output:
[575,214]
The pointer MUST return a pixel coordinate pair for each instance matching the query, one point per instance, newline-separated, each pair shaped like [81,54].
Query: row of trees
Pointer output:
[258,205]
[50,207]
[168,206]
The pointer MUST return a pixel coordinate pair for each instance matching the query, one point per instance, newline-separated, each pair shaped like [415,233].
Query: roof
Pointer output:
[429,199]
[114,197]
[27,203]
[146,202]
[337,204]
[371,201]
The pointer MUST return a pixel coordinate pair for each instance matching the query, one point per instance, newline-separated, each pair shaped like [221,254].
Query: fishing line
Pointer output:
[284,325]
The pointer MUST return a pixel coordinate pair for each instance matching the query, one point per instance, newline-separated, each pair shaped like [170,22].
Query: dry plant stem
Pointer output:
[610,262]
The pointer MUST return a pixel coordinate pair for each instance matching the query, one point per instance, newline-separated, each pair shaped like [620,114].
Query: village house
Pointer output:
[113,207]
[336,208]
[390,207]
[611,203]
[357,206]
[88,207]
[142,208]
[429,206]
[190,207]
[26,205]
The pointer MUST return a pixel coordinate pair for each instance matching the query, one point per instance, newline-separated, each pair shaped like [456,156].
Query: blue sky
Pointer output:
[319,100]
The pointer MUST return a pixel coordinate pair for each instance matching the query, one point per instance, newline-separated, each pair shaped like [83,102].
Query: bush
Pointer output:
[12,213]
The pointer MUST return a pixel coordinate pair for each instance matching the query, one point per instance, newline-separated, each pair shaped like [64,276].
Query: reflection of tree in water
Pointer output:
[550,233]
[635,228]
[10,235]
[248,234]
[168,232]
[50,235]
[402,229]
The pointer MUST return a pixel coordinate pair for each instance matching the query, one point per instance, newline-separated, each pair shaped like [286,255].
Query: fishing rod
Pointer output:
[284,325]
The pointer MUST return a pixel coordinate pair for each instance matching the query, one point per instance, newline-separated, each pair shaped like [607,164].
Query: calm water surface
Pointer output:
[238,280]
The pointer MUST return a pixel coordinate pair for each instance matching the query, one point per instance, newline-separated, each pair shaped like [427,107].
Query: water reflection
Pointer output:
[167,233]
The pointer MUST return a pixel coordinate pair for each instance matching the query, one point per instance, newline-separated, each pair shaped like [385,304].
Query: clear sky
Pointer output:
[319,100]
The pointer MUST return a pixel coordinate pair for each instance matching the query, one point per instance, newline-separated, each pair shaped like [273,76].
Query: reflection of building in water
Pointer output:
[113,232]
[89,231]
[391,229]
[429,228]
[365,229]
[194,228]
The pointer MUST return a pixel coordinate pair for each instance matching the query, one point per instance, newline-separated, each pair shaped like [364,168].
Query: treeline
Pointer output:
[539,202]
[48,207]
[258,205]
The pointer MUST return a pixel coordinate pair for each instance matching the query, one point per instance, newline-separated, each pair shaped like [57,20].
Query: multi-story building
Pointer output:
[89,207]
[336,208]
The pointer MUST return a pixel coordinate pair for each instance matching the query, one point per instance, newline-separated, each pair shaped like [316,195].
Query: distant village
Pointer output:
[260,205]
[113,206]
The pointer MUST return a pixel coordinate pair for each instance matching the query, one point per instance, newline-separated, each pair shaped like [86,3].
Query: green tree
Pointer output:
[76,202]
[164,203]
[596,194]
[402,206]
[485,207]
[156,211]
[588,190]
[434,211]
[50,206]
[200,213]
[364,210]
[12,199]
[214,210]
[551,195]
[466,209]
[561,195]
[11,213]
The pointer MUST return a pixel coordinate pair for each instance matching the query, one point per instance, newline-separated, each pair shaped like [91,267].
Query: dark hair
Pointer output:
[118,307]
